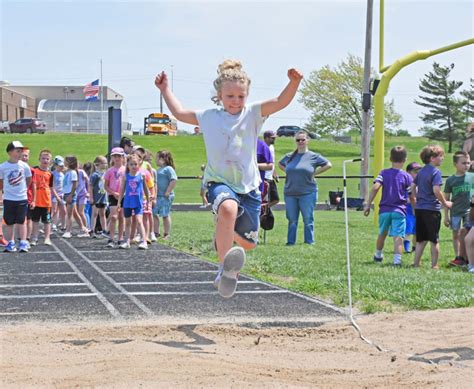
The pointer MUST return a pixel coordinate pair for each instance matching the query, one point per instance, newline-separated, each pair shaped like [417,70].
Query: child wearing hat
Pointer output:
[15,177]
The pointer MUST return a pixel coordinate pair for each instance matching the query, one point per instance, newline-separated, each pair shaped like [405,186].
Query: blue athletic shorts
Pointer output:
[128,212]
[393,222]
[248,216]
[411,225]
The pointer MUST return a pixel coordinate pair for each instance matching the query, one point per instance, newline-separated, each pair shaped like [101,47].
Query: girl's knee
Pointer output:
[228,208]
[246,245]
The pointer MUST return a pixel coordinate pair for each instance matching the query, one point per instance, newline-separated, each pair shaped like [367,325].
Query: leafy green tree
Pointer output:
[333,96]
[444,120]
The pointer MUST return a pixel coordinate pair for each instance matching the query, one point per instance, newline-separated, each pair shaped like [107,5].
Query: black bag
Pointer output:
[267,220]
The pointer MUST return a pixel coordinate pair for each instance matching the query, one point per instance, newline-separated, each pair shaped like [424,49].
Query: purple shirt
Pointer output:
[426,178]
[264,155]
[395,186]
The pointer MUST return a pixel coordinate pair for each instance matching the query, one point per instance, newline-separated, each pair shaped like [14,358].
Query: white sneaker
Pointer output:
[124,245]
[234,260]
[153,237]
[47,242]
[67,235]
[143,245]
[137,239]
[33,242]
[471,269]
[397,262]
[83,234]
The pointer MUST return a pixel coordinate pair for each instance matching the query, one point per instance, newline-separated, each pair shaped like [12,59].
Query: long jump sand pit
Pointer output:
[427,349]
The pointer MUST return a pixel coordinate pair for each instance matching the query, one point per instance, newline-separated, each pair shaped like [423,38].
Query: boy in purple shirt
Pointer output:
[395,184]
[429,199]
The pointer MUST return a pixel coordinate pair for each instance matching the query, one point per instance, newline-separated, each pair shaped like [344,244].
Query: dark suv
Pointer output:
[292,130]
[28,125]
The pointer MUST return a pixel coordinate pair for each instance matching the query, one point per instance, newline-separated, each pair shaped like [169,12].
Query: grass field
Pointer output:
[318,270]
[189,154]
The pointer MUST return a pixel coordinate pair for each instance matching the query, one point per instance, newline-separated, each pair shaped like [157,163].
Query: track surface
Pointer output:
[81,279]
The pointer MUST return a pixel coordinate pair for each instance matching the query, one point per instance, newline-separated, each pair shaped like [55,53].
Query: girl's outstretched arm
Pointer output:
[177,110]
[277,104]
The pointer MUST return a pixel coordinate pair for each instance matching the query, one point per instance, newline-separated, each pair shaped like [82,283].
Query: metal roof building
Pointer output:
[80,115]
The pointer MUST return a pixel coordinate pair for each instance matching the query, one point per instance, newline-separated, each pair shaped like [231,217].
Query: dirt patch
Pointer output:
[424,349]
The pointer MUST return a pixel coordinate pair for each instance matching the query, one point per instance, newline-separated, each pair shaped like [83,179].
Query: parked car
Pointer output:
[28,125]
[292,130]
[4,127]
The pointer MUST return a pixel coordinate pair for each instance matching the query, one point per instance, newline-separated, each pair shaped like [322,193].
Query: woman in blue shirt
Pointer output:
[301,190]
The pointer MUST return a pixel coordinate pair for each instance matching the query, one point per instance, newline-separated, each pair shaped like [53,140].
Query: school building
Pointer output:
[62,107]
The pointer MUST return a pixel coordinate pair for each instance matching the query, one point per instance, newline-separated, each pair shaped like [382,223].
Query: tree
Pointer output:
[333,96]
[444,120]
[468,102]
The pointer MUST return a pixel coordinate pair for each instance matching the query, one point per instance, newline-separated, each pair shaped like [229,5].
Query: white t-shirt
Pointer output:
[14,180]
[269,173]
[69,177]
[231,146]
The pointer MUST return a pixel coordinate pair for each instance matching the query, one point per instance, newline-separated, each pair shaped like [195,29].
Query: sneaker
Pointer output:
[83,234]
[397,262]
[166,236]
[153,237]
[3,241]
[23,247]
[143,245]
[458,262]
[34,242]
[377,259]
[104,234]
[110,243]
[137,239]
[124,245]
[54,227]
[233,262]
[67,235]
[471,269]
[11,247]
[48,242]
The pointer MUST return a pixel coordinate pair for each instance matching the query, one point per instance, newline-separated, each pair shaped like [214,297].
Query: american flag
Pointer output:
[91,90]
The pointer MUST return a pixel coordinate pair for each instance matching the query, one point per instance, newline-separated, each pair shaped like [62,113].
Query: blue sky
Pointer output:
[62,42]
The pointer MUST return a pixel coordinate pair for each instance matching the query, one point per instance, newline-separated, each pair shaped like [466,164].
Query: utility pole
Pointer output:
[365,135]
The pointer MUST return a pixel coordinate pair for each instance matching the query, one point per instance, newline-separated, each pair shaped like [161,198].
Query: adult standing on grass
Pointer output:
[301,190]
[271,177]
[231,174]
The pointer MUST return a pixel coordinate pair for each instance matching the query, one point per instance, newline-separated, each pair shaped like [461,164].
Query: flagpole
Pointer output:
[101,100]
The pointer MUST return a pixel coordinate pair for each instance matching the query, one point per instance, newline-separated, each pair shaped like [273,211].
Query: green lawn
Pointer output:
[320,270]
[189,154]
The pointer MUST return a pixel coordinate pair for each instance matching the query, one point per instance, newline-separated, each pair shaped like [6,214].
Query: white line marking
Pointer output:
[137,302]
[207,292]
[38,274]
[161,272]
[30,252]
[41,285]
[33,296]
[182,283]
[108,261]
[21,313]
[113,311]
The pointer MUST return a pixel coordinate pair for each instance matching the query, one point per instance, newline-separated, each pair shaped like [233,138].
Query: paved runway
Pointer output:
[81,279]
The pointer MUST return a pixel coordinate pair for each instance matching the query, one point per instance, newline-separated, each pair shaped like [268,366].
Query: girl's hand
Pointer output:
[161,81]
[295,75]
[69,199]
[446,222]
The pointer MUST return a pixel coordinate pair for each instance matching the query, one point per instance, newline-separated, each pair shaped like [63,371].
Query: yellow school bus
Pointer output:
[160,123]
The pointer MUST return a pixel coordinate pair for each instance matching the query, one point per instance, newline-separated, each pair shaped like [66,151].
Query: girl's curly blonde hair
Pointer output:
[229,70]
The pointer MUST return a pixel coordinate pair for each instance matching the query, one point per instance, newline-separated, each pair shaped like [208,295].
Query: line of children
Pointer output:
[56,193]
[428,199]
